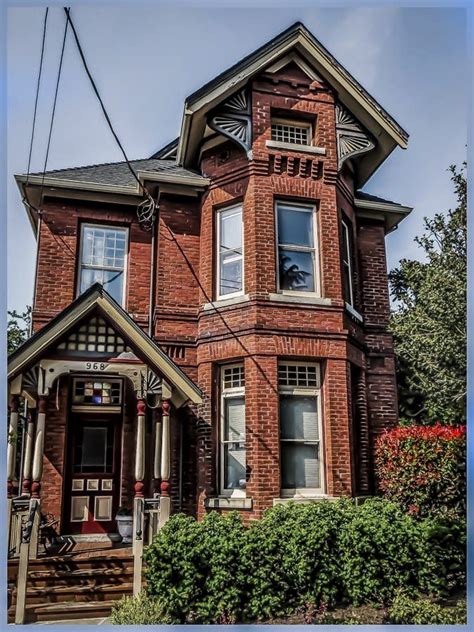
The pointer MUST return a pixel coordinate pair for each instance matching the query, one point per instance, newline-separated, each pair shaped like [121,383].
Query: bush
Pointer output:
[140,610]
[424,469]
[315,556]
[422,611]
[195,569]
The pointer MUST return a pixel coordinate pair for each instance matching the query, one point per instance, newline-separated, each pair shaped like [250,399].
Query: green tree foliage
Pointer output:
[18,329]
[429,322]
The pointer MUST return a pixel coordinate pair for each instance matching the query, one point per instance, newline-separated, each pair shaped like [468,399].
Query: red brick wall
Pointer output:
[263,330]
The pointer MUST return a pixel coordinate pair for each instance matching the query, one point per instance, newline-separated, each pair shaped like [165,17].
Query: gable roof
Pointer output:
[96,298]
[359,102]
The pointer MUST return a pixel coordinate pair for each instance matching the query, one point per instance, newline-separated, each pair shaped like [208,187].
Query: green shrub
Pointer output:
[424,469]
[291,558]
[297,556]
[140,610]
[195,568]
[422,611]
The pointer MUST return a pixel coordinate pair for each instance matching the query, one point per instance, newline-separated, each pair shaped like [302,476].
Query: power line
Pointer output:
[36,98]
[147,193]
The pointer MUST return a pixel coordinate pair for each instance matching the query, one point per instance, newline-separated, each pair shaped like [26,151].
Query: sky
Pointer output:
[147,59]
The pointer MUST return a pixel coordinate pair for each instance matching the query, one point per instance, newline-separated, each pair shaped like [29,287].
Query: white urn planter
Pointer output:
[125,528]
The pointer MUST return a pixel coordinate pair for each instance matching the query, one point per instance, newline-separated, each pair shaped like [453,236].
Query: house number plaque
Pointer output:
[96,366]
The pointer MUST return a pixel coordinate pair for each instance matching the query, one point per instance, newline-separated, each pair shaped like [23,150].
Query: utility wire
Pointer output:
[147,193]
[36,98]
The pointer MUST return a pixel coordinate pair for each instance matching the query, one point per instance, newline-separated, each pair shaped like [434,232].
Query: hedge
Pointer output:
[423,469]
[321,554]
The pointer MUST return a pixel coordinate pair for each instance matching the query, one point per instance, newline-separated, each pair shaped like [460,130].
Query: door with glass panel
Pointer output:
[92,484]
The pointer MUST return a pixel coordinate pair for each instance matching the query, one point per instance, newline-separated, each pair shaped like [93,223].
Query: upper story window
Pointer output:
[347,258]
[103,259]
[229,252]
[293,132]
[300,429]
[296,242]
[232,407]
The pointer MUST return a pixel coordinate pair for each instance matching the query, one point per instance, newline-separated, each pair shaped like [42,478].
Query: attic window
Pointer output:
[293,132]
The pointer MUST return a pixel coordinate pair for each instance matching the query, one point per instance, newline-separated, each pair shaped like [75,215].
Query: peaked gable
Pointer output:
[97,309]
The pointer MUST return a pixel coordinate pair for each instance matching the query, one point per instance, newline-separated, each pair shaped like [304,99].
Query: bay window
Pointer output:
[232,430]
[347,262]
[296,245]
[229,252]
[300,429]
[103,259]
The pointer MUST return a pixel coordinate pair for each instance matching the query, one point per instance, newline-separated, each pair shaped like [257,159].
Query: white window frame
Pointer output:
[315,250]
[347,260]
[293,123]
[229,393]
[218,216]
[302,391]
[81,266]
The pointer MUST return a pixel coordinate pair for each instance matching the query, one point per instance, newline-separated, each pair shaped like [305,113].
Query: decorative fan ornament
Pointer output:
[233,119]
[151,388]
[352,139]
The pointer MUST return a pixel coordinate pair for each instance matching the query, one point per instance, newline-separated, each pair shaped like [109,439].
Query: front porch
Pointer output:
[97,400]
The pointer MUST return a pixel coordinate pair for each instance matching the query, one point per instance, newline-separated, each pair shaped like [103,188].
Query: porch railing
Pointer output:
[146,522]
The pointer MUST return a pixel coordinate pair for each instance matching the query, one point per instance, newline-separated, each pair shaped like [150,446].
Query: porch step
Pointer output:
[68,610]
[74,585]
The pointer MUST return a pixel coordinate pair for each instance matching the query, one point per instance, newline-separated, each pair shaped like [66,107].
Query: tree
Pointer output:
[18,329]
[429,322]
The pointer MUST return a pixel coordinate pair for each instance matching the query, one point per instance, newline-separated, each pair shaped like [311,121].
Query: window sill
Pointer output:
[228,503]
[302,499]
[298,298]
[306,149]
[354,313]
[224,302]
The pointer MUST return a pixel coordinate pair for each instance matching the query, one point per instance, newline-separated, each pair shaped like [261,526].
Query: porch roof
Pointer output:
[96,298]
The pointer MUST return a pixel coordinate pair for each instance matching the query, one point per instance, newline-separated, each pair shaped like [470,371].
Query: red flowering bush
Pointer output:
[423,468]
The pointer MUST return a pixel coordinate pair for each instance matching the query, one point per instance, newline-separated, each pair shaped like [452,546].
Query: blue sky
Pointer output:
[146,60]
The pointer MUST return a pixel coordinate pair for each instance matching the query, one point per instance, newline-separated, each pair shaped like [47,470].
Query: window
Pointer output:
[293,132]
[347,262]
[103,258]
[296,235]
[300,429]
[97,392]
[233,456]
[229,252]
[94,450]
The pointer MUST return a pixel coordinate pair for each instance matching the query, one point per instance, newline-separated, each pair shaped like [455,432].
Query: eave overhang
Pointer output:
[96,298]
[388,133]
[390,213]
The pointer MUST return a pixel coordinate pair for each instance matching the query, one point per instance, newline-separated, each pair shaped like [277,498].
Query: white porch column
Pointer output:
[138,502]
[28,454]
[165,501]
[157,452]
[12,443]
[37,468]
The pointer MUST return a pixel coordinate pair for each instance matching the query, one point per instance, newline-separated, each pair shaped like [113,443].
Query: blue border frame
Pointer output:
[299,4]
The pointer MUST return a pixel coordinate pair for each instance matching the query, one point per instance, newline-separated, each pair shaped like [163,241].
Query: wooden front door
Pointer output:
[93,474]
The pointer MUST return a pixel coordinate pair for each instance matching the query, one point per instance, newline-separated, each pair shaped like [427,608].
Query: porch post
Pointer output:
[27,463]
[12,442]
[138,502]
[157,453]
[37,468]
[165,501]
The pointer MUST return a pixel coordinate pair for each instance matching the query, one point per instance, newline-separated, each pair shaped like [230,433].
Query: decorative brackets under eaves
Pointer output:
[234,119]
[352,139]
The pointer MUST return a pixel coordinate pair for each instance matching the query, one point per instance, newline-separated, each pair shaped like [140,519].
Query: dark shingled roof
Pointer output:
[362,195]
[118,173]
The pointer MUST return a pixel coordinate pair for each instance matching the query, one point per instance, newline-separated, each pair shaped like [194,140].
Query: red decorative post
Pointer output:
[12,442]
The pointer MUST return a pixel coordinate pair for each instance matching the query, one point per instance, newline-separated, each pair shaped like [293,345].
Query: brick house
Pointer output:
[232,353]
